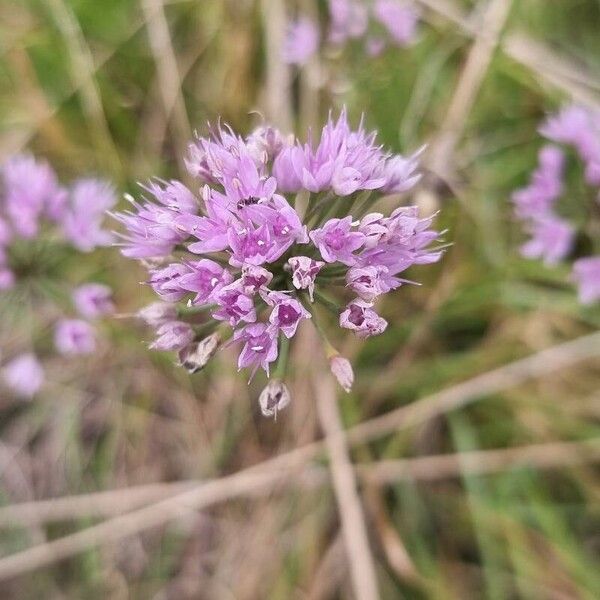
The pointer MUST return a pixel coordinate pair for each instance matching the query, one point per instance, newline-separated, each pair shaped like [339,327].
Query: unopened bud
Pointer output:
[275,397]
[157,313]
[342,371]
[196,356]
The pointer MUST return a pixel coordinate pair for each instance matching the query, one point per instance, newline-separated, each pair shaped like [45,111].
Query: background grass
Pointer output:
[80,85]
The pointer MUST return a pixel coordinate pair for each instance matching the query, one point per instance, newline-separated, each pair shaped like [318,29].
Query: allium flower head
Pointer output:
[249,261]
[537,205]
[42,223]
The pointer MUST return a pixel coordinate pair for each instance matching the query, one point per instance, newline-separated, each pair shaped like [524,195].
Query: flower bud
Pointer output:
[275,397]
[196,356]
[157,313]
[342,371]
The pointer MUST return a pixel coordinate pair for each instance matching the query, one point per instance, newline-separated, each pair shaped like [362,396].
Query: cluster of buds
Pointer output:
[278,227]
[552,236]
[376,24]
[38,217]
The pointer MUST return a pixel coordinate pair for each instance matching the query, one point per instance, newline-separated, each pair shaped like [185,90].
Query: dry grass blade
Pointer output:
[495,381]
[429,468]
[482,462]
[83,69]
[277,99]
[168,72]
[260,477]
[468,85]
[243,483]
[251,483]
[362,565]
[558,71]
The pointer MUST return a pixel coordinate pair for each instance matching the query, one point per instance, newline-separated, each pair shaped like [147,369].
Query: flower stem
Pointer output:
[329,304]
[282,362]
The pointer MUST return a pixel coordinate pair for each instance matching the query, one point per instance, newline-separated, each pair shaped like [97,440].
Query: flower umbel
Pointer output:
[42,226]
[552,236]
[249,259]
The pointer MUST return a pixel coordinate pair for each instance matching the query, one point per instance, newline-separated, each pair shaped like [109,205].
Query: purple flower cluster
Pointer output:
[551,235]
[383,21]
[276,225]
[35,212]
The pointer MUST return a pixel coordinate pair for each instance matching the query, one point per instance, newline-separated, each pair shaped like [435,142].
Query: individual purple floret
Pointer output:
[304,272]
[301,41]
[586,272]
[260,347]
[360,317]
[235,305]
[248,261]
[337,241]
[286,314]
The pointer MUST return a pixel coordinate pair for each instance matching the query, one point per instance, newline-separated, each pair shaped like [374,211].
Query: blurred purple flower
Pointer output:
[74,336]
[545,186]
[551,239]
[301,41]
[90,199]
[399,18]
[7,279]
[586,272]
[93,300]
[348,19]
[31,190]
[24,375]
